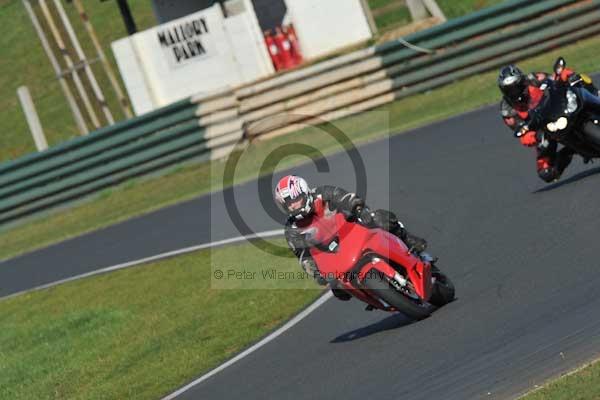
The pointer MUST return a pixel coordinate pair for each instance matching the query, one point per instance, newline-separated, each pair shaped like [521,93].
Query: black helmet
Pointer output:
[513,84]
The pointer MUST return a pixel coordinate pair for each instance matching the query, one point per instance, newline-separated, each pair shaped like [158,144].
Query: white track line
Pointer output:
[191,249]
[255,347]
[157,257]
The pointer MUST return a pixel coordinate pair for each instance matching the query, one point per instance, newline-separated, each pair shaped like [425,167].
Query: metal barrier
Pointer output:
[207,127]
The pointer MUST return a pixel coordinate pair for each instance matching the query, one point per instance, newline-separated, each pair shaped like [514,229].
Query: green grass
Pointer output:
[138,333]
[186,182]
[23,62]
[390,14]
[454,8]
[581,385]
[377,4]
[393,18]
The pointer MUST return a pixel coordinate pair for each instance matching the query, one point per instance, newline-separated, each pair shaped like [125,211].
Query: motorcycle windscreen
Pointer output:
[551,107]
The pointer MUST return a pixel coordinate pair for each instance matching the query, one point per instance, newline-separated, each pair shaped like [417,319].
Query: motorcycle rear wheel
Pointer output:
[401,302]
[592,132]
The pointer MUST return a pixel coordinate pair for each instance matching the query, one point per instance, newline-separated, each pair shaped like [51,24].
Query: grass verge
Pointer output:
[23,62]
[580,385]
[138,333]
[143,196]
[390,14]
[454,9]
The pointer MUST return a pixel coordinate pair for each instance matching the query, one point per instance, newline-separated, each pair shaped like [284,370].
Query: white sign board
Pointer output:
[185,41]
[324,26]
[199,53]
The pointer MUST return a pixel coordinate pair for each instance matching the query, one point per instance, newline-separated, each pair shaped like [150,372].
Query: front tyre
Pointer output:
[443,289]
[412,308]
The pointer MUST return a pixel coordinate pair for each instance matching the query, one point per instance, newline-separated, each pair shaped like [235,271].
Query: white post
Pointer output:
[420,9]
[369,16]
[417,9]
[107,67]
[57,70]
[435,10]
[70,64]
[33,120]
[86,66]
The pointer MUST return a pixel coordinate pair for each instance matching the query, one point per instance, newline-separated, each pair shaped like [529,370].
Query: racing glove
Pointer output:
[310,267]
[413,242]
[528,139]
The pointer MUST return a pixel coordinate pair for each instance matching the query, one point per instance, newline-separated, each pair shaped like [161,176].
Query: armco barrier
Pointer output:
[207,126]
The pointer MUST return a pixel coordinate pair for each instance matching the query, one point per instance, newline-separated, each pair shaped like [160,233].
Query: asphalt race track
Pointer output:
[523,256]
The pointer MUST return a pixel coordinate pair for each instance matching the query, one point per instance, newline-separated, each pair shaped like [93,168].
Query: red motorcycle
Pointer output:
[376,267]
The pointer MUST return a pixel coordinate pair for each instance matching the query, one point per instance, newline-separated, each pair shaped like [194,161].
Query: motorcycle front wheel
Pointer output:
[412,308]
[443,289]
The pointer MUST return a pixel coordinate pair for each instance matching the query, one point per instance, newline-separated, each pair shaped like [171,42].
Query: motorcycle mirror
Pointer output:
[559,65]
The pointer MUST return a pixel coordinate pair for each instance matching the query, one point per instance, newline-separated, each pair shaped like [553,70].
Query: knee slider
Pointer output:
[548,174]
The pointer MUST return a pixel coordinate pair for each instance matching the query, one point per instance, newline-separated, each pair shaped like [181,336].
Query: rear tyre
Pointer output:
[443,289]
[412,308]
[592,132]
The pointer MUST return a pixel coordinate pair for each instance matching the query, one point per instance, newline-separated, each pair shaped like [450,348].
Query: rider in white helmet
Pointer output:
[300,203]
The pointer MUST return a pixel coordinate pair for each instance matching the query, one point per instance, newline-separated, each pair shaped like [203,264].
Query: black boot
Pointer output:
[414,243]
[339,293]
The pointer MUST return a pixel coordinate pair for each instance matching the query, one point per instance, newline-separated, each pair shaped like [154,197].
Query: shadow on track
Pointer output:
[392,322]
[572,179]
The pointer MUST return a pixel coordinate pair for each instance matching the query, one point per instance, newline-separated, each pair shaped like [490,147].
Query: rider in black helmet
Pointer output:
[522,93]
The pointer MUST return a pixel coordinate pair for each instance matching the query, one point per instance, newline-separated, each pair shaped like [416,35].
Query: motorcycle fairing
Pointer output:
[354,241]
[396,253]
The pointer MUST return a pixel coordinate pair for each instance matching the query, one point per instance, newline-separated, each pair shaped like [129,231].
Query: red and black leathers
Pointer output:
[339,200]
[568,75]
[550,162]
[515,115]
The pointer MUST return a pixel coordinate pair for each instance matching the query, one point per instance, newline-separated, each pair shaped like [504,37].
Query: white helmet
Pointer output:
[293,197]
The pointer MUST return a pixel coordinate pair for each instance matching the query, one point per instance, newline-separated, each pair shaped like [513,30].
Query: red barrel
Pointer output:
[285,48]
[293,39]
[274,51]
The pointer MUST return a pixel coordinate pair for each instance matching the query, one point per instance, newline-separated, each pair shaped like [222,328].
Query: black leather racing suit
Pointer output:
[349,204]
[550,161]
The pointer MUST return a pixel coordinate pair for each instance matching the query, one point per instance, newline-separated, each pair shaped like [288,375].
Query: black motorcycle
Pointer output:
[568,113]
